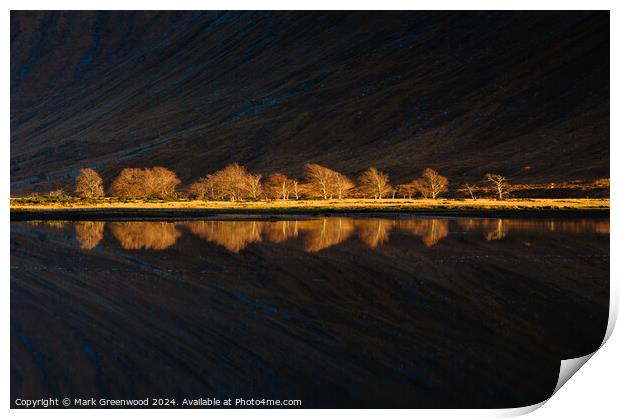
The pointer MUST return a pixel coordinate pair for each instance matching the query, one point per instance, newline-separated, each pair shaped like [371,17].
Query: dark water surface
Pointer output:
[336,312]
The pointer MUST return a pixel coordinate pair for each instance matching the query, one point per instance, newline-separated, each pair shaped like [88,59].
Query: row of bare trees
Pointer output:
[499,186]
[235,183]
[130,183]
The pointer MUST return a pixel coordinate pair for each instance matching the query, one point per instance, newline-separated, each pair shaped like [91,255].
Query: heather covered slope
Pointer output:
[525,94]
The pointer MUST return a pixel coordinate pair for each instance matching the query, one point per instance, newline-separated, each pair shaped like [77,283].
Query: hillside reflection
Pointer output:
[315,234]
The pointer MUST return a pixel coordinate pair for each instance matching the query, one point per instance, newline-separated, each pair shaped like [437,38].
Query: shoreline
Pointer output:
[192,210]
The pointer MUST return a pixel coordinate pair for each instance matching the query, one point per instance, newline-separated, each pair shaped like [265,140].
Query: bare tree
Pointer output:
[431,184]
[233,182]
[144,183]
[89,184]
[326,182]
[296,188]
[278,185]
[200,189]
[342,185]
[254,186]
[471,190]
[320,179]
[128,184]
[407,190]
[499,183]
[214,186]
[375,183]
[420,185]
[164,182]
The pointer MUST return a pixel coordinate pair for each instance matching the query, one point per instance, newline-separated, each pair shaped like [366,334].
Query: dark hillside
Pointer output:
[525,94]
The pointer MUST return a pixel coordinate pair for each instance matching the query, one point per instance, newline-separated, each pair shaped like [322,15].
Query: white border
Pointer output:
[593,392]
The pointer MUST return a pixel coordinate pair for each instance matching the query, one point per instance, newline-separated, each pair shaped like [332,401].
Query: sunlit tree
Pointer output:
[407,190]
[145,183]
[375,183]
[128,184]
[200,189]
[89,184]
[296,188]
[326,183]
[499,183]
[165,182]
[431,184]
[342,185]
[470,190]
[233,182]
[279,186]
[254,185]
[319,179]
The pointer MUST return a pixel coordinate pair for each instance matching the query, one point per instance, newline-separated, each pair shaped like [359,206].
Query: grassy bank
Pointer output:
[114,209]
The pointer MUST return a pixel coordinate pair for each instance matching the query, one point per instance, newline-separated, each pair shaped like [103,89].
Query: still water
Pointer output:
[335,312]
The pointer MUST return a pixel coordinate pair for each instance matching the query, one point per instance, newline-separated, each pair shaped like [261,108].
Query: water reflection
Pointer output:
[89,233]
[326,232]
[498,233]
[344,326]
[232,235]
[56,224]
[281,231]
[156,235]
[430,231]
[500,227]
[374,232]
[315,234]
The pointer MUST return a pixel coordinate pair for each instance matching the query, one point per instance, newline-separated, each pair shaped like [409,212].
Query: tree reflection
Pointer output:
[430,231]
[374,232]
[499,232]
[326,232]
[281,231]
[498,228]
[55,224]
[89,233]
[156,235]
[317,233]
[232,235]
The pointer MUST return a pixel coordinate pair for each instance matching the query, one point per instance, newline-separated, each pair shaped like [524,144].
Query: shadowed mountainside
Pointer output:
[525,94]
